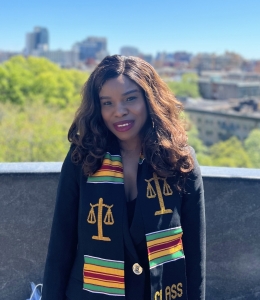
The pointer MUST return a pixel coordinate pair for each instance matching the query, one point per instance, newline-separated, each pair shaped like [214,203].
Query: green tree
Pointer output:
[202,152]
[26,80]
[187,87]
[230,153]
[38,100]
[252,146]
[34,133]
[17,80]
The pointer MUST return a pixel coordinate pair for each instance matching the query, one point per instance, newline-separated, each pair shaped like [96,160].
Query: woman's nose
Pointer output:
[121,110]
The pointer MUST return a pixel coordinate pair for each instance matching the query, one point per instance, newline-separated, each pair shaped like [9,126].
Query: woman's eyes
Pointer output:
[130,98]
[107,103]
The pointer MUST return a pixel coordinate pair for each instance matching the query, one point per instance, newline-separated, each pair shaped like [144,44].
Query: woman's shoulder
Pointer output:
[196,167]
[194,177]
[69,164]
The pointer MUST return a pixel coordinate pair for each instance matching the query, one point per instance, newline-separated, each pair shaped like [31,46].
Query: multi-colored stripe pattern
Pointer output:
[104,276]
[164,246]
[111,171]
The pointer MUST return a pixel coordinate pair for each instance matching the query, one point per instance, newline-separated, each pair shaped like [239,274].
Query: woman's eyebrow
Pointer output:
[104,98]
[130,92]
[124,94]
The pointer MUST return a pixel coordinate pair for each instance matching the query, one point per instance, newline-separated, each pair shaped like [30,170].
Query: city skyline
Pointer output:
[167,26]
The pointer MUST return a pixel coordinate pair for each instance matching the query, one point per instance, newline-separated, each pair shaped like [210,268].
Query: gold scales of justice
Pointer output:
[150,193]
[108,219]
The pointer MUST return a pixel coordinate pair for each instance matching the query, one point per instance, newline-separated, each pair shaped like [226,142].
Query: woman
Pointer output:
[129,217]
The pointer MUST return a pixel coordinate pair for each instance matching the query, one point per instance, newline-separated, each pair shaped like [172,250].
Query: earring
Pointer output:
[152,123]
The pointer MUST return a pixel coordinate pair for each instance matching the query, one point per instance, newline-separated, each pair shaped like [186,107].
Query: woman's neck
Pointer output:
[128,148]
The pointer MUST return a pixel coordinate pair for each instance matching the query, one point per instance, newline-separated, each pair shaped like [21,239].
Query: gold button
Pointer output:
[137,269]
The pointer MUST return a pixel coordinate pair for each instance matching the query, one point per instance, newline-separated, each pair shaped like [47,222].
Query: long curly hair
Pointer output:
[164,140]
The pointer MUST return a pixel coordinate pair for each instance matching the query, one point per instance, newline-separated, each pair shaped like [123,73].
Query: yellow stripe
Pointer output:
[109,162]
[164,240]
[104,283]
[165,252]
[105,270]
[108,173]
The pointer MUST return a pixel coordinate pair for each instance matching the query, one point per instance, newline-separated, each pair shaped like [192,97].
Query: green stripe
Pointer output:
[105,178]
[159,234]
[104,263]
[113,158]
[108,290]
[166,258]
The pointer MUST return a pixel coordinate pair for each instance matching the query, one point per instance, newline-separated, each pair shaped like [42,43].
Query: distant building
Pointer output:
[168,73]
[146,57]
[235,75]
[208,61]
[5,55]
[182,57]
[257,66]
[91,48]
[179,59]
[217,120]
[65,59]
[132,51]
[37,41]
[164,59]
[129,51]
[222,89]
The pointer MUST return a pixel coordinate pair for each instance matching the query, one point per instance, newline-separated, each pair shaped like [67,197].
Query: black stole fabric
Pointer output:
[106,234]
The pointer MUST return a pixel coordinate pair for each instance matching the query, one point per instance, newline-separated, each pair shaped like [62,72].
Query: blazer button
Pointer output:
[137,269]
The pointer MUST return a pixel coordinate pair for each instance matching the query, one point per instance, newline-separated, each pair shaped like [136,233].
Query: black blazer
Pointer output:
[90,235]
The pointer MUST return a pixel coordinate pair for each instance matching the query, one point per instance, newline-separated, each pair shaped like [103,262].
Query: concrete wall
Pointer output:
[27,195]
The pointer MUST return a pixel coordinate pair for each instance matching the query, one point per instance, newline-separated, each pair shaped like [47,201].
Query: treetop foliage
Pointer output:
[26,80]
[187,87]
[229,153]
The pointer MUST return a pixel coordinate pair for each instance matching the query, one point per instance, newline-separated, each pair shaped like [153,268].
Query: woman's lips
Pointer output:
[123,125]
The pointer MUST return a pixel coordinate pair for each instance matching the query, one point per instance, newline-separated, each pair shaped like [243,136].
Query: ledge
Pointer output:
[225,172]
[27,199]
[55,167]
[30,167]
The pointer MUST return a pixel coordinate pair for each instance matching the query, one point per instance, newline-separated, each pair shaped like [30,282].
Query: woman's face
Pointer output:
[123,108]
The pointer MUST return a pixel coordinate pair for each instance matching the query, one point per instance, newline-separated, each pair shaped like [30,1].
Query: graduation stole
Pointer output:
[106,224]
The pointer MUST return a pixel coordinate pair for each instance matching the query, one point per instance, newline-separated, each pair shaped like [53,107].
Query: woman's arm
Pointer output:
[194,235]
[63,240]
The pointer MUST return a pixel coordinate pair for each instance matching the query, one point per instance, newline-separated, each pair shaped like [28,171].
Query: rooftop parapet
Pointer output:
[27,202]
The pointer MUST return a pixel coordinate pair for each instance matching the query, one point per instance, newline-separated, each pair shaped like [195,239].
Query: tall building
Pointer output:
[37,41]
[91,48]
[65,59]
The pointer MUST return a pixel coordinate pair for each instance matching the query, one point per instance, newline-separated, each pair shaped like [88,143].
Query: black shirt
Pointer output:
[141,250]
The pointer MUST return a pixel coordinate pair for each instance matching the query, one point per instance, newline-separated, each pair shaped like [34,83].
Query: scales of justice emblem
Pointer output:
[167,191]
[108,219]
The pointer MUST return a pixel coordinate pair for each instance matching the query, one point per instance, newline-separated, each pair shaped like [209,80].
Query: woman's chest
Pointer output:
[103,204]
[130,170]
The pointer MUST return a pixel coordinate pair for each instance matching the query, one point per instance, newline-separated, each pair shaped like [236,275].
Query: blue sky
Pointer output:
[151,26]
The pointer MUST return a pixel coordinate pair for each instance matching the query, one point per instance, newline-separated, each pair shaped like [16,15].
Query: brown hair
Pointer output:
[164,140]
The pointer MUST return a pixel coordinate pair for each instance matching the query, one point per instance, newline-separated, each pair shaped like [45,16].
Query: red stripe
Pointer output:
[164,246]
[103,277]
[111,168]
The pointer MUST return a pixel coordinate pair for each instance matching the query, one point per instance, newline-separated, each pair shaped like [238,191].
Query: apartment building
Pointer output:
[218,120]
